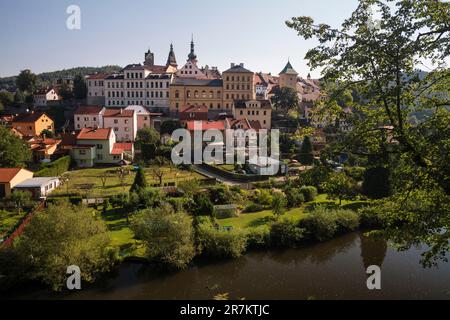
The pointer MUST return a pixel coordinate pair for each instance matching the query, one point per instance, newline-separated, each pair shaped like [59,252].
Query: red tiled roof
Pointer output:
[125,146]
[7,174]
[207,125]
[94,134]
[98,76]
[89,110]
[68,139]
[114,113]
[196,108]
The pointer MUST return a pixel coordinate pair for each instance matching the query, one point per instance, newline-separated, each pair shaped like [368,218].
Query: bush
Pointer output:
[285,233]
[258,238]
[320,224]
[220,244]
[347,220]
[56,168]
[356,173]
[75,200]
[309,193]
[264,197]
[294,197]
[370,218]
[254,207]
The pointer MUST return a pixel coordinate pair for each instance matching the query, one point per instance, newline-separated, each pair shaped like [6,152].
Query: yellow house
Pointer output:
[33,123]
[10,177]
[238,84]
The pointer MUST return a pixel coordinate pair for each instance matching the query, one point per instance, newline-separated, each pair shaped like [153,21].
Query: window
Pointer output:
[177,94]
[82,152]
[116,121]
[99,157]
[116,129]
[99,146]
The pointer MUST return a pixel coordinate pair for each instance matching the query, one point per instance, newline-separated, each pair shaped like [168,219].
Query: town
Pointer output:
[170,160]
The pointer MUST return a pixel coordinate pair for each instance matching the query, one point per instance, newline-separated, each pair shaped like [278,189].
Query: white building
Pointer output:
[96,89]
[88,117]
[39,187]
[43,96]
[123,122]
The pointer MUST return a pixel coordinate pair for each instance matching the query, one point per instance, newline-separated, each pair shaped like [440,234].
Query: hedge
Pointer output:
[55,168]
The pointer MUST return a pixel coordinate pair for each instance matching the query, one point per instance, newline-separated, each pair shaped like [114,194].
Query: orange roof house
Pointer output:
[33,123]
[10,177]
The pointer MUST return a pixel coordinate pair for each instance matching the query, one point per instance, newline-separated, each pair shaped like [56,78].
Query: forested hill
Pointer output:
[49,78]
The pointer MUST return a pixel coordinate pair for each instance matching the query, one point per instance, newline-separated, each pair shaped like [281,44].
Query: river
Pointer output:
[332,270]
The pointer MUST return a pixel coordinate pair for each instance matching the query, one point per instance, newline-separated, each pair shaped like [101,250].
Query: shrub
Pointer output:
[320,224]
[55,168]
[258,238]
[347,220]
[264,197]
[254,207]
[370,218]
[294,197]
[203,205]
[220,195]
[355,173]
[309,193]
[285,233]
[220,244]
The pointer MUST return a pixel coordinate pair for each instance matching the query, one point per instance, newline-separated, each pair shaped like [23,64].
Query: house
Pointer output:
[266,166]
[43,96]
[10,177]
[98,146]
[123,122]
[88,117]
[143,116]
[39,187]
[194,112]
[254,110]
[33,123]
[43,148]
[96,89]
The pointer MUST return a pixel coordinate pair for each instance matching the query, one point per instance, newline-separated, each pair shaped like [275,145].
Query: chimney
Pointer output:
[121,110]
[241,64]
[232,65]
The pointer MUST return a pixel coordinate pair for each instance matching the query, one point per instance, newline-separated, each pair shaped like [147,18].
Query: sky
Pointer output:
[34,35]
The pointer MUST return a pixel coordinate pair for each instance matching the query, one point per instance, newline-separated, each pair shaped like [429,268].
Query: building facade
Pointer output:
[123,122]
[238,84]
[43,96]
[33,123]
[254,110]
[96,89]
[88,117]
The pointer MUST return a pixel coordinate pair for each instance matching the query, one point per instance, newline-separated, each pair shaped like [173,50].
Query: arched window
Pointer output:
[196,94]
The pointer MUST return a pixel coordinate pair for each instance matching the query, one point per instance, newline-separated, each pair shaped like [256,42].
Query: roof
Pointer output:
[288,69]
[89,110]
[68,139]
[94,134]
[140,110]
[198,82]
[206,125]
[36,182]
[196,108]
[116,76]
[98,76]
[7,174]
[121,147]
[29,117]
[242,104]
[43,91]
[118,112]
[238,68]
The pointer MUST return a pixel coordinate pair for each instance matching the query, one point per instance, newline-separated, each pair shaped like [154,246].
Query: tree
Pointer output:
[122,175]
[203,205]
[339,186]
[306,156]
[279,203]
[13,151]
[65,91]
[79,87]
[169,126]
[48,133]
[380,63]
[26,81]
[167,235]
[286,99]
[19,98]
[140,182]
[148,140]
[104,177]
[377,183]
[6,98]
[60,236]
[20,199]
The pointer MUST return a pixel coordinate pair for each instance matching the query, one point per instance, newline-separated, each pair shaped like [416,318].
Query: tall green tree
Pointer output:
[286,99]
[279,203]
[339,186]
[79,87]
[6,98]
[140,182]
[306,156]
[379,60]
[26,81]
[66,92]
[13,151]
[60,236]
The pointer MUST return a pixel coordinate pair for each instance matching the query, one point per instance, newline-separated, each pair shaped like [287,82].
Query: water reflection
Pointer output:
[373,250]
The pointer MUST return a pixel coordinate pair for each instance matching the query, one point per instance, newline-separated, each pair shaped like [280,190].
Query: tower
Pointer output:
[192,56]
[288,77]
[149,59]
[171,60]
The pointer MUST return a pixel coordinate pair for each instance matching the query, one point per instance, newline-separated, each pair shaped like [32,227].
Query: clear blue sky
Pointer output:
[34,34]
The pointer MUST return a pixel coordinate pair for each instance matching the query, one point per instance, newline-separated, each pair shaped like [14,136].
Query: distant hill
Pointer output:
[50,78]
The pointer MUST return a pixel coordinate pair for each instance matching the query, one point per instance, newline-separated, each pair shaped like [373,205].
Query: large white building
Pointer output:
[123,122]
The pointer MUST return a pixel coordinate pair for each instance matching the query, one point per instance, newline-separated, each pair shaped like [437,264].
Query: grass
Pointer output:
[8,220]
[113,185]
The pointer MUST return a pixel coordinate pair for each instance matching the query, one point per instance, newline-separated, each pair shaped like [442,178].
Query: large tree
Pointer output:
[286,99]
[79,87]
[60,236]
[26,81]
[306,155]
[379,60]
[13,151]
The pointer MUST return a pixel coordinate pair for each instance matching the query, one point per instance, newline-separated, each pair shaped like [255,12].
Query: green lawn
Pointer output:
[81,177]
[8,220]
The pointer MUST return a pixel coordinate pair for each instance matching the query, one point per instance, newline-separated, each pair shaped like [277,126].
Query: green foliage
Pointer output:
[220,244]
[371,218]
[356,173]
[314,177]
[139,181]
[279,203]
[347,220]
[26,81]
[258,238]
[55,168]
[339,186]
[65,91]
[309,193]
[377,183]
[48,134]
[295,197]
[285,233]
[79,87]
[202,205]
[75,200]
[254,207]
[14,152]
[220,194]
[264,197]
[119,200]
[320,224]
[169,126]
[168,236]
[56,238]
[306,156]
[286,99]
[6,98]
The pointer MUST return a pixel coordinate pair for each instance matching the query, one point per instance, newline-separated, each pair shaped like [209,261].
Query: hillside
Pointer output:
[49,78]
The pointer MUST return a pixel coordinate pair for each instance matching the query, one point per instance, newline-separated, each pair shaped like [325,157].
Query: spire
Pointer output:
[171,60]
[288,69]
[192,55]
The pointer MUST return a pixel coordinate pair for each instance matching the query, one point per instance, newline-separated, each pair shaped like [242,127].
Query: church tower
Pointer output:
[192,56]
[149,59]
[171,60]
[288,77]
